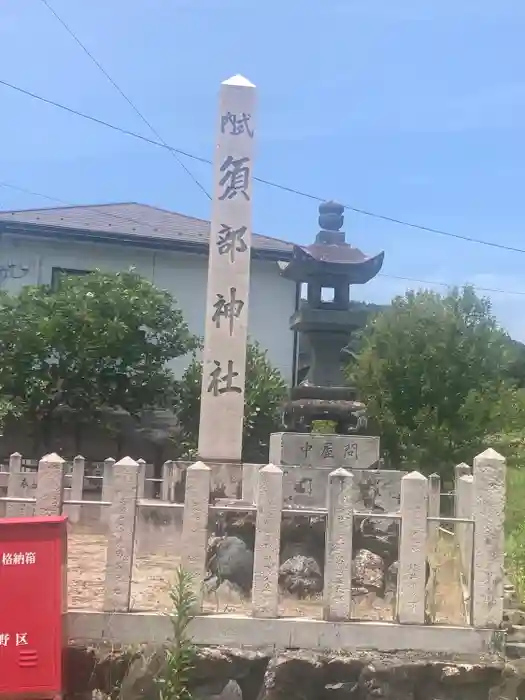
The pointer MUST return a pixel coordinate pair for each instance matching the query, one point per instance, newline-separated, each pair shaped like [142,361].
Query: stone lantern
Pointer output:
[326,318]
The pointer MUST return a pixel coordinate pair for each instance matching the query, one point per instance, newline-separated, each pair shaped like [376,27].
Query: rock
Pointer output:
[139,681]
[341,677]
[516,634]
[229,691]
[223,674]
[368,571]
[391,578]
[229,559]
[301,576]
[293,676]
[379,537]
[341,691]
[79,668]
[514,617]
[225,592]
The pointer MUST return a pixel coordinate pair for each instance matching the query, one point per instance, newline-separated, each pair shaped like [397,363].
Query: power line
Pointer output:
[111,215]
[145,223]
[449,285]
[123,94]
[291,190]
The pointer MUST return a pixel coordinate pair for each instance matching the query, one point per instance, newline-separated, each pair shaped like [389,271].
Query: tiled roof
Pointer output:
[132,219]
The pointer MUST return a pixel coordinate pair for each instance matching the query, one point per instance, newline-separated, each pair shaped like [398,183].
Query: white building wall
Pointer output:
[272,298]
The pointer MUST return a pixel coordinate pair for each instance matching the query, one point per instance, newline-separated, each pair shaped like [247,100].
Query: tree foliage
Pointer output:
[98,342]
[431,369]
[265,391]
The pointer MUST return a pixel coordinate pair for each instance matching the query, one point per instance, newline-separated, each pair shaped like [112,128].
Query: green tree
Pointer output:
[97,344]
[432,371]
[265,391]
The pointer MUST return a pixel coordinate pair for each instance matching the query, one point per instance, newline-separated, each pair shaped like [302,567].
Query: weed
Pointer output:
[180,656]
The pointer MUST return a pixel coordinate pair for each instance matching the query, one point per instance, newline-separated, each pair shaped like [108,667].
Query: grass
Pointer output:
[515,529]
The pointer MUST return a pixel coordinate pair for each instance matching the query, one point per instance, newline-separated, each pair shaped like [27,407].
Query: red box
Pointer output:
[33,600]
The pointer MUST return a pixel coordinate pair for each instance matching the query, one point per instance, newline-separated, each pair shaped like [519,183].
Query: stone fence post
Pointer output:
[50,485]
[15,462]
[107,488]
[20,485]
[141,479]
[250,475]
[460,470]
[194,542]
[121,518]
[411,581]
[265,588]
[77,488]
[434,510]
[464,531]
[167,489]
[337,595]
[489,516]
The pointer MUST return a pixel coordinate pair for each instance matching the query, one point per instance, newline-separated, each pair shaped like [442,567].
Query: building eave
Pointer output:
[29,230]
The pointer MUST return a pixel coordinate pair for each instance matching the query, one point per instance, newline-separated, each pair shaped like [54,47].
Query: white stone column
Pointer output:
[107,487]
[141,479]
[77,488]
[194,542]
[250,476]
[15,462]
[50,485]
[412,550]
[489,516]
[464,531]
[265,588]
[168,478]
[337,595]
[434,510]
[122,519]
[226,326]
[460,470]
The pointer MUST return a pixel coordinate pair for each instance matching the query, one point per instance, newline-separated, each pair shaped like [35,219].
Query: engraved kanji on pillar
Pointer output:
[226,327]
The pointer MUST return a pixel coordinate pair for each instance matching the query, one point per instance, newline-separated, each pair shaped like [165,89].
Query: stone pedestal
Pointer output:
[324,451]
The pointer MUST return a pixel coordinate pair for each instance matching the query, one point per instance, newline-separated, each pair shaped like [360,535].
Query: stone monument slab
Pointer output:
[226,325]
[324,450]
[374,491]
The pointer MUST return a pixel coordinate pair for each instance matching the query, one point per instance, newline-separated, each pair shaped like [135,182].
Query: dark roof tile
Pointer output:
[132,219]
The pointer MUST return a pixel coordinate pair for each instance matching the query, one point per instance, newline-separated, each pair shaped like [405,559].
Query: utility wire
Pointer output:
[270,183]
[145,223]
[449,284]
[111,215]
[123,94]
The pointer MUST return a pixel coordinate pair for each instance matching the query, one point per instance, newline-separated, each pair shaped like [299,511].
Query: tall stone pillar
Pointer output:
[226,327]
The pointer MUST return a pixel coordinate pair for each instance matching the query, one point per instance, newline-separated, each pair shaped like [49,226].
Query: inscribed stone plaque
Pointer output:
[376,491]
[225,481]
[324,451]
[21,485]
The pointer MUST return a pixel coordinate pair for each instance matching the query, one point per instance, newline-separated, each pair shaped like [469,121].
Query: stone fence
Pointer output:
[480,499]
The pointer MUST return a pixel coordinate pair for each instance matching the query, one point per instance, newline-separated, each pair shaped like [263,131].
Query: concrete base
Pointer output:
[319,450]
[290,633]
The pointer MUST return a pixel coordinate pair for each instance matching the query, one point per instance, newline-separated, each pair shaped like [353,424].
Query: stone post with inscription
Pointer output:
[411,577]
[488,500]
[226,326]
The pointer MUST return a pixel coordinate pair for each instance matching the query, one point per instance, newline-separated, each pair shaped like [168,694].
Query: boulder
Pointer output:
[368,571]
[230,559]
[301,576]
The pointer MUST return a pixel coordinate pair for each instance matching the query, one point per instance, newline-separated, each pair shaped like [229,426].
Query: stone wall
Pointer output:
[251,674]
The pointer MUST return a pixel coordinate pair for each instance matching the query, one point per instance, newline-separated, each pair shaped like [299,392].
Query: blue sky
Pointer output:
[414,109]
